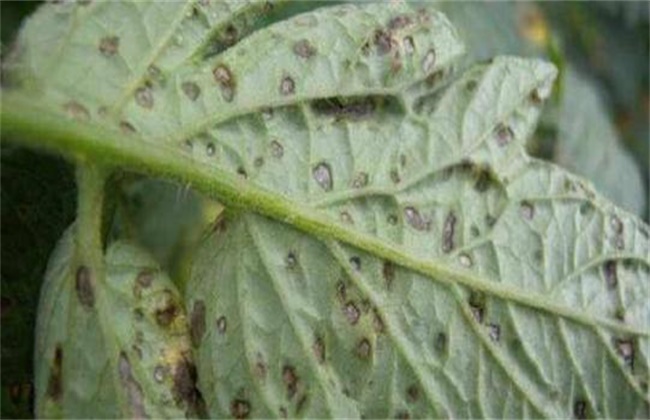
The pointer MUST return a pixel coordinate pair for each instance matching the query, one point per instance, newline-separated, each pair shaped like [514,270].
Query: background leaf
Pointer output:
[588,144]
[114,347]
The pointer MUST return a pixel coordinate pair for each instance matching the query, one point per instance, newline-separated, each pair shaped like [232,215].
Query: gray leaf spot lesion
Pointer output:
[133,389]
[240,408]
[226,81]
[144,96]
[197,322]
[84,287]
[191,90]
[55,380]
[415,219]
[290,380]
[304,49]
[351,312]
[222,325]
[76,110]
[287,86]
[448,233]
[109,45]
[364,349]
[504,134]
[322,174]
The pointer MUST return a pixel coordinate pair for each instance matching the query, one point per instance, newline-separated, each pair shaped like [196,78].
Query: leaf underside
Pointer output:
[354,113]
[112,347]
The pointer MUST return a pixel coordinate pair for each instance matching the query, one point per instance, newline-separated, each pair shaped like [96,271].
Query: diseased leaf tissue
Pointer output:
[392,251]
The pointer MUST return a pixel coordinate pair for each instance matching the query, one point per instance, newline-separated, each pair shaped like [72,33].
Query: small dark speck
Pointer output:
[109,45]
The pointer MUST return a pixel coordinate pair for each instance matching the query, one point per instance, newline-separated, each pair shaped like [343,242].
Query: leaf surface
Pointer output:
[331,330]
[452,274]
[113,347]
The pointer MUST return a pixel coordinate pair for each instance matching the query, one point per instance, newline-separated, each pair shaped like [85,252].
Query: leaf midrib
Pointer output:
[32,124]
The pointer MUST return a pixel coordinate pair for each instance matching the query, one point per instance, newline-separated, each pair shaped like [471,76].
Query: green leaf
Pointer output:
[129,81]
[382,257]
[332,330]
[589,145]
[113,347]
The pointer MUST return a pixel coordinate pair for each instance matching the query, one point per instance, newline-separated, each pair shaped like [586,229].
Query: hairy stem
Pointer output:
[38,127]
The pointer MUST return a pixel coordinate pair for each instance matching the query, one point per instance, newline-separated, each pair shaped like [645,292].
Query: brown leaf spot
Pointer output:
[415,219]
[55,381]
[482,181]
[304,49]
[159,373]
[527,210]
[290,380]
[504,134]
[378,322]
[351,313]
[364,349]
[260,367]
[127,128]
[191,90]
[240,409]
[197,322]
[535,97]
[167,311]
[226,81]
[184,388]
[292,260]
[76,110]
[400,22]
[145,278]
[477,306]
[383,41]
[429,61]
[144,97]
[388,271]
[494,332]
[277,151]
[440,342]
[322,174]
[222,325]
[580,409]
[84,287]
[319,349]
[355,262]
[611,275]
[625,349]
[448,231]
[394,176]
[413,393]
[135,396]
[287,86]
[341,291]
[109,45]
[360,180]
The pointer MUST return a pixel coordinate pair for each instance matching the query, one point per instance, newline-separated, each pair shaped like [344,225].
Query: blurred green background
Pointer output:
[596,125]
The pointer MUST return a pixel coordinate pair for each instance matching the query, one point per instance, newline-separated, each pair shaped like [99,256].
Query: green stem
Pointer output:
[90,183]
[31,125]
